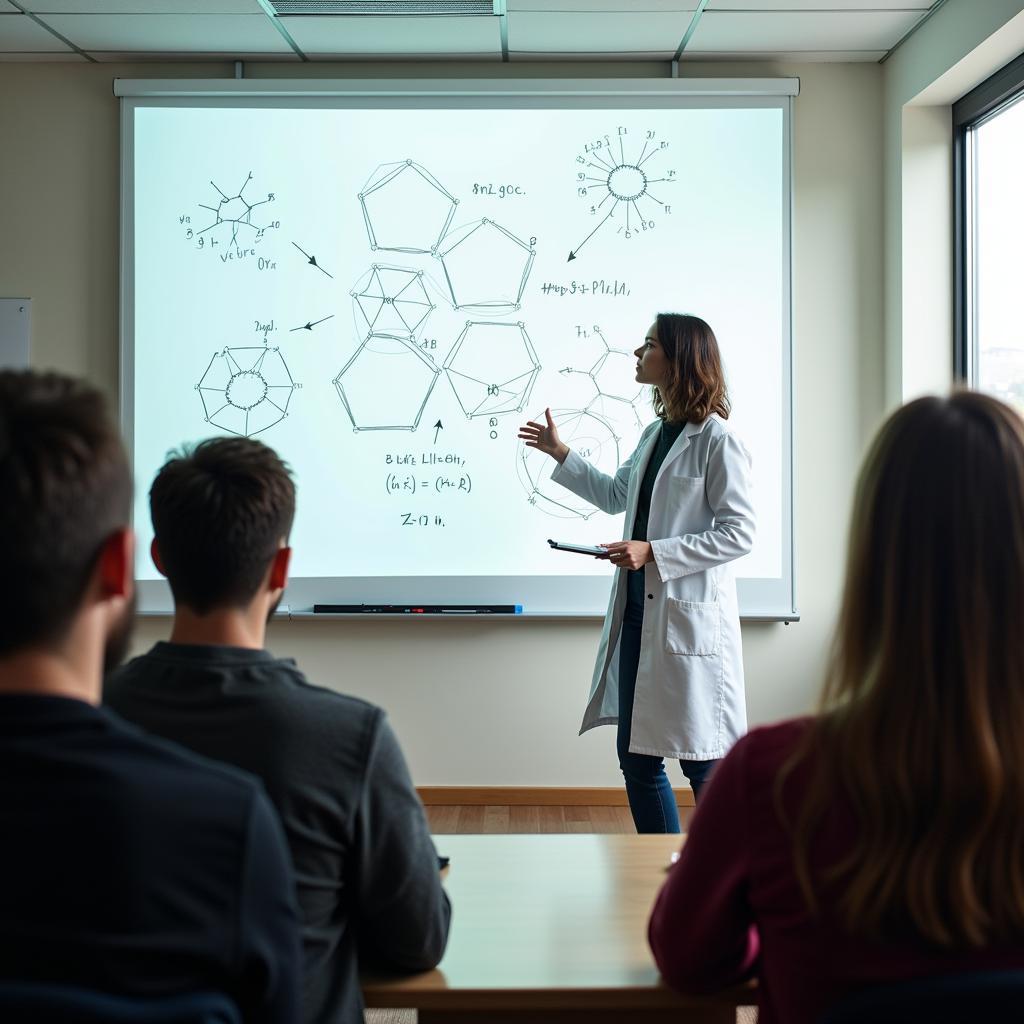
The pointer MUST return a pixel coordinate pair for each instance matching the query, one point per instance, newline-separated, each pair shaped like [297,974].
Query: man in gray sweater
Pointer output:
[366,868]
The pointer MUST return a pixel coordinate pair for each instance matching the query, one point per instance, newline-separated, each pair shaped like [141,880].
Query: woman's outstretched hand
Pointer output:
[629,554]
[544,437]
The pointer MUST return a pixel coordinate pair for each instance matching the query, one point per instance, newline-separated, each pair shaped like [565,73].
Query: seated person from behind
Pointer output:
[880,841]
[128,865]
[366,868]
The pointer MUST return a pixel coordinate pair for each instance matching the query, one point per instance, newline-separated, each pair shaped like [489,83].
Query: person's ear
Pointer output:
[154,553]
[279,568]
[115,568]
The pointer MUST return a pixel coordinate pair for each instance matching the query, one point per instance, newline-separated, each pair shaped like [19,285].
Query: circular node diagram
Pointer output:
[627,190]
[627,182]
[246,390]
[591,437]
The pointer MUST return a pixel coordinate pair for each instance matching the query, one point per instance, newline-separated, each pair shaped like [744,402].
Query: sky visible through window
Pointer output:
[999,255]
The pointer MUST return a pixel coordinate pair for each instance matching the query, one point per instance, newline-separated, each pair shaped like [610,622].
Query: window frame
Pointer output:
[983,102]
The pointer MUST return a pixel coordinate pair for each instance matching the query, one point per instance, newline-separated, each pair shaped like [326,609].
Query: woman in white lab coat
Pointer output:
[669,668]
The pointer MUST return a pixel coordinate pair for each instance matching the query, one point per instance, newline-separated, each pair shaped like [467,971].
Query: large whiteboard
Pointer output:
[383,284]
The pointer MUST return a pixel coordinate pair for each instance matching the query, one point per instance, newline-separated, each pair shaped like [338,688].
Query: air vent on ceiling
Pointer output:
[386,7]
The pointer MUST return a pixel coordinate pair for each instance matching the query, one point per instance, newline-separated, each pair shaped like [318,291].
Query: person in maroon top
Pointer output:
[881,839]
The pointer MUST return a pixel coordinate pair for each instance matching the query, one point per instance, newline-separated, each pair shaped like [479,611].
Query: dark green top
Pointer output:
[666,438]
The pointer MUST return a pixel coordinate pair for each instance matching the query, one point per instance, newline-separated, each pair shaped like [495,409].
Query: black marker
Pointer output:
[417,609]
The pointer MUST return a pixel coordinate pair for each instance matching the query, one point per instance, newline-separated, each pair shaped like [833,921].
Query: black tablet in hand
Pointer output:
[579,549]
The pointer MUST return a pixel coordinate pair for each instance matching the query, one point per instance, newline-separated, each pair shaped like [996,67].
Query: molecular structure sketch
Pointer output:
[236,212]
[486,267]
[590,436]
[246,389]
[616,393]
[406,208]
[492,368]
[619,188]
[389,299]
[386,383]
[605,425]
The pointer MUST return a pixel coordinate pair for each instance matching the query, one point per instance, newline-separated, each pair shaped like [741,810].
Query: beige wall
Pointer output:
[494,703]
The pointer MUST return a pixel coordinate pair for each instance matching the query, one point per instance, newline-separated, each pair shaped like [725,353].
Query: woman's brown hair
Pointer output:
[696,387]
[922,724]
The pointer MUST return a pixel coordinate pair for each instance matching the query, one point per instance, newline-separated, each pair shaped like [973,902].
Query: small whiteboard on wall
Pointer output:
[15,324]
[382,280]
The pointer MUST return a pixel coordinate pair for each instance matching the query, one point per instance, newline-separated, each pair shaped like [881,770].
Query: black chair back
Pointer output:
[984,997]
[39,1003]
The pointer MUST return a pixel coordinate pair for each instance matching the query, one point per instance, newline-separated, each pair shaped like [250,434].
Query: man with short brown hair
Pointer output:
[127,865]
[365,865]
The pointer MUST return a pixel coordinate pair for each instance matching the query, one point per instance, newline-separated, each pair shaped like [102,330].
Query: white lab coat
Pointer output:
[689,700]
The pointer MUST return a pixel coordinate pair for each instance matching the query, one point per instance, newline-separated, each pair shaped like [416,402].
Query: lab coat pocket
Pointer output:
[693,628]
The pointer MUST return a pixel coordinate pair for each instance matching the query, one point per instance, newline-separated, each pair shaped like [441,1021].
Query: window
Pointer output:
[989,181]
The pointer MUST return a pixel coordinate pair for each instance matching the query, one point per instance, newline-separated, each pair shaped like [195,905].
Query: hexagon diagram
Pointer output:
[391,300]
[246,390]
[486,267]
[492,368]
[590,436]
[386,383]
[235,212]
[406,208]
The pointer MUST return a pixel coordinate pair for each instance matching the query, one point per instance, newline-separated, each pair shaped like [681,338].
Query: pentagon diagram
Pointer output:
[386,383]
[492,368]
[406,208]
[486,267]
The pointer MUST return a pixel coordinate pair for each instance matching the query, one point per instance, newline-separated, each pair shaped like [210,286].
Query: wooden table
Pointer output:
[551,928]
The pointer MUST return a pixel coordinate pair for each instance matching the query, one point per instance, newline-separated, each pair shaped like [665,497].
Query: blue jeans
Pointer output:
[651,800]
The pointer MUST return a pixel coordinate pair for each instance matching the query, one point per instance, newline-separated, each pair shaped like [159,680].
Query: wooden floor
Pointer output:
[463,820]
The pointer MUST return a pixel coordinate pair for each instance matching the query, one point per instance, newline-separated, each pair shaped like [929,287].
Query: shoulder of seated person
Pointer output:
[773,741]
[325,696]
[181,759]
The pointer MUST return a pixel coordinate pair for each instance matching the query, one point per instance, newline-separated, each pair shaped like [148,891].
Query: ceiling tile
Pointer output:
[820,5]
[142,6]
[601,6]
[793,32]
[20,33]
[163,33]
[394,36]
[597,33]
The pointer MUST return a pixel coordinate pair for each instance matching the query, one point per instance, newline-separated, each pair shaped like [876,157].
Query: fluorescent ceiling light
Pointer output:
[388,7]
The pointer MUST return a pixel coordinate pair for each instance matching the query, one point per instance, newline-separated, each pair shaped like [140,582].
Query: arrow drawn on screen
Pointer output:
[572,252]
[310,324]
[312,260]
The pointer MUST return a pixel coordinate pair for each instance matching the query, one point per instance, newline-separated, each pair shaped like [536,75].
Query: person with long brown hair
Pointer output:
[881,839]
[669,670]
